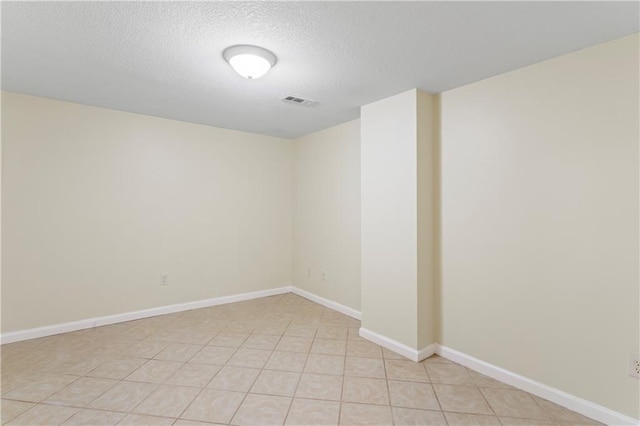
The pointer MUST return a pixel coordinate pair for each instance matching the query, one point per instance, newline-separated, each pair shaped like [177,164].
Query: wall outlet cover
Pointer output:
[634,365]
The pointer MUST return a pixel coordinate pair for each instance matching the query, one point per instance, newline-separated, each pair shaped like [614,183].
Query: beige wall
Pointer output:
[540,222]
[326,211]
[427,114]
[97,204]
[397,177]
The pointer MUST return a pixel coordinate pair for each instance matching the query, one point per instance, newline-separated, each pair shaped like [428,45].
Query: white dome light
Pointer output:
[249,61]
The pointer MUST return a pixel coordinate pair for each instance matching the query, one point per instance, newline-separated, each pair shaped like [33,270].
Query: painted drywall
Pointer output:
[389,217]
[427,145]
[326,212]
[97,204]
[397,178]
[540,222]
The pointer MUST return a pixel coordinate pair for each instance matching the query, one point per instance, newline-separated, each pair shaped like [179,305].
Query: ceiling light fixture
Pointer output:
[249,61]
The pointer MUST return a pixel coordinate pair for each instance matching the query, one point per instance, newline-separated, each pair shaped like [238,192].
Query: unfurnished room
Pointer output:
[320,213]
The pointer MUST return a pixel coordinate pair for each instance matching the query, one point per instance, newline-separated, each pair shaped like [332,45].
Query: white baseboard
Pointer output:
[572,402]
[326,302]
[397,347]
[34,333]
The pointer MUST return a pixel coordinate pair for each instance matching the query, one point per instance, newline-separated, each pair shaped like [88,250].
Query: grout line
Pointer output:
[484,398]
[344,371]
[386,380]
[182,366]
[257,376]
[295,389]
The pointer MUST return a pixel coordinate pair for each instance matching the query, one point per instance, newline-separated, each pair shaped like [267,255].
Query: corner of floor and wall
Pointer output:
[495,224]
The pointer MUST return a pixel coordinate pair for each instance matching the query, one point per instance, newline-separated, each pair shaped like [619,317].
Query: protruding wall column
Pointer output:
[398,170]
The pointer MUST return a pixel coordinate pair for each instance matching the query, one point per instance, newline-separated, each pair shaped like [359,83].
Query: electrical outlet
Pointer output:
[164,280]
[324,276]
[634,365]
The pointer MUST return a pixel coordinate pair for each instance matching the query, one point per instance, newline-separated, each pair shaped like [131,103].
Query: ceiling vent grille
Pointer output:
[291,99]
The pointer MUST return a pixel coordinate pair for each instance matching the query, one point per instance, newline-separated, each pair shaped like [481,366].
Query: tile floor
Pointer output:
[271,361]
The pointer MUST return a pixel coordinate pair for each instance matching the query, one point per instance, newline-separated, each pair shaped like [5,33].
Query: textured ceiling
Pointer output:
[165,58]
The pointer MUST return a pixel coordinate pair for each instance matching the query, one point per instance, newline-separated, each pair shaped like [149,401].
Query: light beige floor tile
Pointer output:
[261,341]
[450,374]
[145,349]
[329,347]
[279,383]
[238,327]
[320,386]
[94,417]
[182,422]
[312,412]
[405,370]
[123,396]
[336,333]
[306,319]
[141,420]
[136,333]
[217,355]
[12,409]
[300,331]
[513,421]
[333,319]
[180,352]
[412,395]
[461,399]
[270,329]
[363,348]
[79,363]
[315,340]
[513,403]
[260,410]
[154,371]
[169,335]
[231,340]
[192,374]
[81,392]
[387,354]
[12,380]
[214,406]
[251,358]
[325,364]
[201,337]
[365,391]
[363,414]
[561,414]
[354,334]
[238,379]
[457,419]
[294,344]
[436,358]
[286,361]
[40,388]
[167,401]
[44,415]
[183,334]
[413,417]
[364,367]
[483,381]
[117,368]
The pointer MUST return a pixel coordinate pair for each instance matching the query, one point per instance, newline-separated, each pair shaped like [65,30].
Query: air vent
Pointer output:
[290,99]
